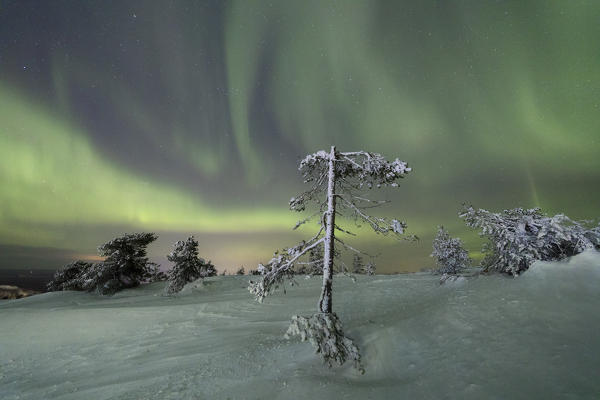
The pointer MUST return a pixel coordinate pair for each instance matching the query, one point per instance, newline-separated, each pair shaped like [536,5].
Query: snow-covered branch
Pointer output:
[280,267]
[380,225]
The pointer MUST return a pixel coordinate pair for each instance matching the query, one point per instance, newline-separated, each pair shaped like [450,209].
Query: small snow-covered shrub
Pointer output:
[188,266]
[324,331]
[449,253]
[518,237]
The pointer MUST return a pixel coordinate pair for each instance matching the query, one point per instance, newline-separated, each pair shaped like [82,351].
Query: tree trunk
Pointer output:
[325,304]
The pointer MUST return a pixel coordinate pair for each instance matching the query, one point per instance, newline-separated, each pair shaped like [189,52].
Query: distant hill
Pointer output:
[8,292]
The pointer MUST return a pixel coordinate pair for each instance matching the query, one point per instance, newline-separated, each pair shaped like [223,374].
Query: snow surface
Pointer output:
[486,337]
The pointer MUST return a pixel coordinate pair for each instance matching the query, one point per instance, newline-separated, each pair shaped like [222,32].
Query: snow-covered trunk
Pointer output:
[325,304]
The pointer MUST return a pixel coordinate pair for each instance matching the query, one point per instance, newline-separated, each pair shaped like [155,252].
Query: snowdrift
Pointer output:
[486,337]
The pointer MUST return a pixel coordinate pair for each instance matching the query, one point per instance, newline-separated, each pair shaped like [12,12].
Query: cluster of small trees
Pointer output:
[515,239]
[518,237]
[126,265]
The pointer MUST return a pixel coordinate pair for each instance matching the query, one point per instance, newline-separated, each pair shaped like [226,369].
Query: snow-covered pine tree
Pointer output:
[69,277]
[188,266]
[335,179]
[518,237]
[449,253]
[208,269]
[370,268]
[357,264]
[126,265]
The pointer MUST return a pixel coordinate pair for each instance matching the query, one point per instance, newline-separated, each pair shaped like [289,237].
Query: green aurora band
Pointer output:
[494,103]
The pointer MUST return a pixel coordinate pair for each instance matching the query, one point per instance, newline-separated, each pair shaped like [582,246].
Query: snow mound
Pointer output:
[489,337]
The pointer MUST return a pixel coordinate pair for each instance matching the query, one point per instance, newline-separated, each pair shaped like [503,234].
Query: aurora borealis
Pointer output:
[190,117]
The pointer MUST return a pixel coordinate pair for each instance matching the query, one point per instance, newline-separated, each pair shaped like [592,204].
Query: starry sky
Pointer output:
[190,117]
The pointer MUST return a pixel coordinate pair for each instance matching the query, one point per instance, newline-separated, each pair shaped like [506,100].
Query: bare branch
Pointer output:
[347,246]
[344,231]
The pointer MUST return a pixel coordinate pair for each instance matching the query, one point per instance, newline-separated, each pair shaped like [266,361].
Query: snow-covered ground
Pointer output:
[487,337]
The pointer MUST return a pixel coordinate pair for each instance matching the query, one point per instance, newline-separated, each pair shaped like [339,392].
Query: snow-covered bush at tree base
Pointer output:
[518,237]
[324,331]
[449,253]
[126,265]
[335,178]
[187,267]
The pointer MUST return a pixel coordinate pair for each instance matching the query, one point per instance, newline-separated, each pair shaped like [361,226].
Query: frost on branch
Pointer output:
[188,265]
[353,170]
[280,268]
[449,253]
[324,332]
[518,237]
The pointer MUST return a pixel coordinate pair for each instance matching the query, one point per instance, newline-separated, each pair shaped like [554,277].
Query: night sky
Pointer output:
[190,117]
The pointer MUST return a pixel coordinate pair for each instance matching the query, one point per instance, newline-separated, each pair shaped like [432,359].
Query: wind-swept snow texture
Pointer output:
[487,337]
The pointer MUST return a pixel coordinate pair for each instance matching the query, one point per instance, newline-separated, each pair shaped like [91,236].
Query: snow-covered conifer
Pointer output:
[335,180]
[69,276]
[518,237]
[126,265]
[449,253]
[370,268]
[187,267]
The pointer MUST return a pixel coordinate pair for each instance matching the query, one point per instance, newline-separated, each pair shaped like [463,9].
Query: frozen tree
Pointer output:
[69,276]
[335,181]
[126,265]
[241,271]
[449,253]
[357,264]
[188,266]
[518,237]
[370,268]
